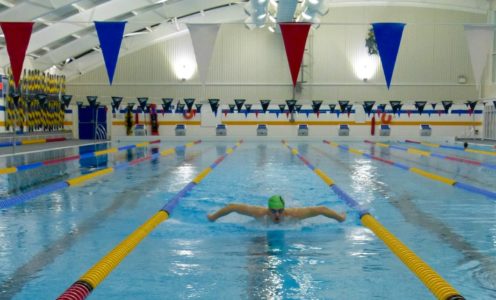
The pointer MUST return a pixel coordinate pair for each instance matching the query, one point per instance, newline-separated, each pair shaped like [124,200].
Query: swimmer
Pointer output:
[276,211]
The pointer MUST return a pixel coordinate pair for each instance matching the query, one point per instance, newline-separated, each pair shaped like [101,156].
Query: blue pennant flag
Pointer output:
[388,38]
[110,36]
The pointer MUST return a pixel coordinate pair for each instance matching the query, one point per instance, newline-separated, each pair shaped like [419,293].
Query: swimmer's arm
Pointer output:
[243,209]
[313,211]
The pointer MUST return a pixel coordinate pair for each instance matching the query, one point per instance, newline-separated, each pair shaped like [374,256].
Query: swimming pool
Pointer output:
[48,242]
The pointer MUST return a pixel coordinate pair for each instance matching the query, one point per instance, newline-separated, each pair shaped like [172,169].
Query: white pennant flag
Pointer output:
[203,37]
[480,40]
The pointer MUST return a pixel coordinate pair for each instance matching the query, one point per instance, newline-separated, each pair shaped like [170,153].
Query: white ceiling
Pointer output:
[64,35]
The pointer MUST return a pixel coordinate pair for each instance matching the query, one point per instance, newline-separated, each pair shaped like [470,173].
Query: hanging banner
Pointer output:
[294,36]
[388,38]
[367,107]
[447,105]
[420,106]
[480,40]
[203,37]
[17,36]
[189,103]
[291,105]
[110,36]
[265,105]
[239,104]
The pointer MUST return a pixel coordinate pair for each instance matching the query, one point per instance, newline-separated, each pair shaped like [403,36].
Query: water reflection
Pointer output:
[269,267]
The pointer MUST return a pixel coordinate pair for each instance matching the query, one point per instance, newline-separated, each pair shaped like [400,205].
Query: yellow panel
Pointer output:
[8,170]
[168,151]
[81,179]
[481,152]
[432,280]
[419,152]
[200,176]
[382,145]
[324,177]
[37,141]
[430,145]
[433,176]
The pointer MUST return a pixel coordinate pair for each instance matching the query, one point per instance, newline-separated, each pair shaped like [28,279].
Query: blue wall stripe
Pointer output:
[29,166]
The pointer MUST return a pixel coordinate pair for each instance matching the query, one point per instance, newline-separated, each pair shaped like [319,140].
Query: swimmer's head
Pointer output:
[275,202]
[276,208]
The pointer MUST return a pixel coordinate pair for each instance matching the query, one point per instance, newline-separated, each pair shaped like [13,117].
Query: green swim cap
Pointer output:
[275,202]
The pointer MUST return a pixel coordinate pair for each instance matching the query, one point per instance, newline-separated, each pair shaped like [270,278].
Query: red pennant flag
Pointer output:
[256,114]
[287,114]
[295,38]
[409,113]
[318,114]
[17,36]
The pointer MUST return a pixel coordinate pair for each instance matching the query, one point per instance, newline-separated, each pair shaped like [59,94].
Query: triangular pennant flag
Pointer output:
[198,107]
[332,107]
[409,112]
[287,114]
[239,104]
[281,107]
[248,109]
[307,113]
[291,105]
[166,103]
[338,112]
[214,105]
[447,105]
[381,108]
[256,114]
[165,108]
[231,107]
[367,107]
[494,102]
[265,105]
[17,36]
[348,109]
[480,40]
[91,100]
[277,114]
[316,106]
[420,106]
[298,107]
[67,100]
[388,38]
[180,108]
[110,36]
[343,104]
[189,103]
[203,37]
[142,102]
[471,105]
[294,36]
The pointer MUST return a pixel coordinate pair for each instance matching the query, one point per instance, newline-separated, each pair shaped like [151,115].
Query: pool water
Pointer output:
[47,243]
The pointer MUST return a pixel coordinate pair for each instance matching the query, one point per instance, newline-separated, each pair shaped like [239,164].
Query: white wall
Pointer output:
[253,65]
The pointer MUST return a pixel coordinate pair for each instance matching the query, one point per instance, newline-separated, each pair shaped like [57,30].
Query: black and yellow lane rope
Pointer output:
[24,197]
[96,274]
[426,174]
[430,278]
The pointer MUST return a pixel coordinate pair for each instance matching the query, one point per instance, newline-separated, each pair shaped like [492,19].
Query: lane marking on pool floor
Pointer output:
[24,197]
[430,278]
[98,272]
[416,151]
[421,172]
